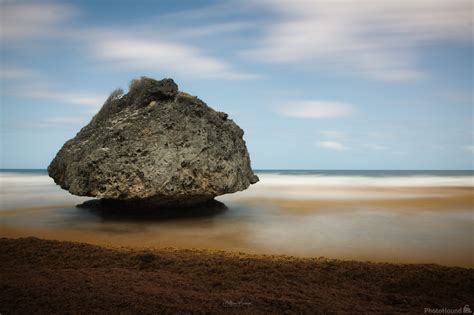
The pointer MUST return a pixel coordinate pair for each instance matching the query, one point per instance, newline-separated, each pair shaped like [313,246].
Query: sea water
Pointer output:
[391,216]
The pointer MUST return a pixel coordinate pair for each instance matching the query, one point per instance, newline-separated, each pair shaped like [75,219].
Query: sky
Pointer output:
[314,84]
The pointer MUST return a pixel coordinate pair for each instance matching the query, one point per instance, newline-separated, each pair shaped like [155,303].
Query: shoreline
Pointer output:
[122,241]
[58,276]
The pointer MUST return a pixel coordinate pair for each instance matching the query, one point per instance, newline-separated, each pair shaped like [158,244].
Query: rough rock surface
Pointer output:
[155,145]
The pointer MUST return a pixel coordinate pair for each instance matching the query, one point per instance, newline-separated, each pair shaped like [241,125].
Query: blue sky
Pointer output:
[314,84]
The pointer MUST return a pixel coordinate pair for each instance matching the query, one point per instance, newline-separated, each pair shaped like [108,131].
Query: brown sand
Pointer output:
[39,276]
[444,199]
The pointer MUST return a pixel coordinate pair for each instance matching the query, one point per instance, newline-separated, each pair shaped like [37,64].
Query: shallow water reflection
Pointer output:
[108,212]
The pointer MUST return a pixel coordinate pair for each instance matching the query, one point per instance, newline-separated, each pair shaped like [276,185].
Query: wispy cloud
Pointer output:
[332,145]
[29,20]
[378,39]
[62,122]
[28,83]
[60,96]
[375,39]
[338,140]
[15,73]
[316,109]
[67,120]
[164,56]
[149,46]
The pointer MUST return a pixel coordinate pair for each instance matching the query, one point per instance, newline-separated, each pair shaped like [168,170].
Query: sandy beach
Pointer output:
[63,277]
[298,244]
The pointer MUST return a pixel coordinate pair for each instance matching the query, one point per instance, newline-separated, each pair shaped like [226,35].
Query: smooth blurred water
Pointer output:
[395,216]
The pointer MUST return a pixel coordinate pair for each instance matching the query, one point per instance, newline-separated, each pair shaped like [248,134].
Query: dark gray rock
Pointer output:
[156,146]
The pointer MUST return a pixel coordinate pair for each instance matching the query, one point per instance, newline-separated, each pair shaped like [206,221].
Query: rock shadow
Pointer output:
[128,211]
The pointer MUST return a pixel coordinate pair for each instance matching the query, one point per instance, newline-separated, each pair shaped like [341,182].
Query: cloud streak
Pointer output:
[20,21]
[164,56]
[64,97]
[376,39]
[142,46]
[332,145]
[27,83]
[316,109]
[14,73]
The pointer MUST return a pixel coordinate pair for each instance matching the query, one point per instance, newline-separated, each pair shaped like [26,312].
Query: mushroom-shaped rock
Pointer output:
[157,146]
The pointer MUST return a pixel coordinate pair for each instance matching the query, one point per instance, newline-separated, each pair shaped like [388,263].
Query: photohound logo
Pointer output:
[462,310]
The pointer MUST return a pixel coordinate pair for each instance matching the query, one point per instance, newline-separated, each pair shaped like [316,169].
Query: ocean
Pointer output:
[387,216]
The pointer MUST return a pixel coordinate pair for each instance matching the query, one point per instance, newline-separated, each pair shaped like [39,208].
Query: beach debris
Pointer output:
[157,146]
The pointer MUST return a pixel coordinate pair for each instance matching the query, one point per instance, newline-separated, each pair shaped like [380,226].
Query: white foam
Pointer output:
[10,178]
[309,187]
[280,180]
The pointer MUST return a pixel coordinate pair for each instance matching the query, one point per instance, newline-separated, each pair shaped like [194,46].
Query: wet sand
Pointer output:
[406,199]
[40,276]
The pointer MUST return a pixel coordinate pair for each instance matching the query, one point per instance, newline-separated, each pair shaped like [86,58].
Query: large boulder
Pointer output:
[155,145]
